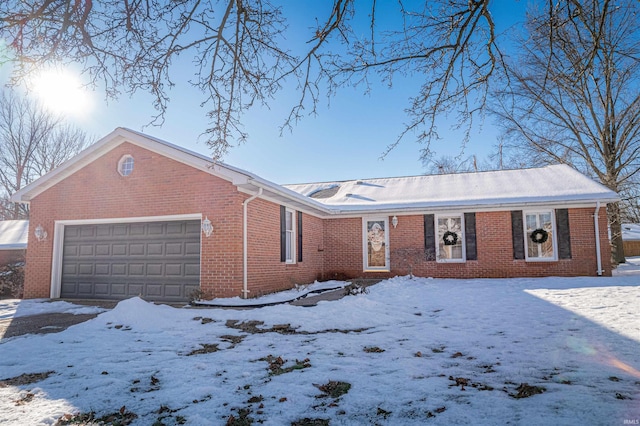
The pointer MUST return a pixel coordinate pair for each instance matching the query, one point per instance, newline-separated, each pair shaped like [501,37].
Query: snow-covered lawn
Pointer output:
[423,351]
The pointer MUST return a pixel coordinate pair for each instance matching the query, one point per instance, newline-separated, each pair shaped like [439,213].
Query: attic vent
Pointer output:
[325,193]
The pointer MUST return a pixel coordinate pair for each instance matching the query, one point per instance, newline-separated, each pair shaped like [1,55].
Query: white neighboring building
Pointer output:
[13,240]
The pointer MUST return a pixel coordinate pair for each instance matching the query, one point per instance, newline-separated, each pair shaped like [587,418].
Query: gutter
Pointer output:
[245,290]
[597,228]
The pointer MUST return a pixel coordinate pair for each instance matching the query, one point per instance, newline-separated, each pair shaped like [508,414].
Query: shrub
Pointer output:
[12,281]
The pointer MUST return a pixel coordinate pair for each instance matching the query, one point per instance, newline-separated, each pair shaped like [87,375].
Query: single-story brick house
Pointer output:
[13,241]
[134,215]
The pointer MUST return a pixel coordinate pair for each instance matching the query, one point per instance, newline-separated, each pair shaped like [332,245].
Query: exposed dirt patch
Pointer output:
[310,422]
[253,327]
[41,324]
[122,417]
[333,389]
[525,391]
[206,348]
[277,365]
[25,379]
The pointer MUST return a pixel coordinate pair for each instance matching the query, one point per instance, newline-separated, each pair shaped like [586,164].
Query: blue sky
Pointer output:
[344,141]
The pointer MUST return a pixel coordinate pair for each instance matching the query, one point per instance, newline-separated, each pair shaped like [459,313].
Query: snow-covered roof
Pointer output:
[631,232]
[14,234]
[550,184]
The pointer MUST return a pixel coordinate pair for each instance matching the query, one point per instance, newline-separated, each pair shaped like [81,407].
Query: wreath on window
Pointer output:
[450,238]
[539,236]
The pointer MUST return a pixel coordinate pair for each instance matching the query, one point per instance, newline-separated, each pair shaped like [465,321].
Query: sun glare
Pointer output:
[61,92]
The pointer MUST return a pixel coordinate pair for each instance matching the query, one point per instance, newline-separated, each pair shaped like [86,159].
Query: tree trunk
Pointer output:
[615,225]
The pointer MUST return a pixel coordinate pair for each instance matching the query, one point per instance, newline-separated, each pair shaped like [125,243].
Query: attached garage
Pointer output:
[159,261]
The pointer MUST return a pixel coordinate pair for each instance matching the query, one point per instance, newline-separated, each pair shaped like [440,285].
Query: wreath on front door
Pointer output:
[539,236]
[450,238]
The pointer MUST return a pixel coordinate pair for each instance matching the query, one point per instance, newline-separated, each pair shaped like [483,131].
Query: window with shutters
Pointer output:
[450,238]
[540,235]
[290,236]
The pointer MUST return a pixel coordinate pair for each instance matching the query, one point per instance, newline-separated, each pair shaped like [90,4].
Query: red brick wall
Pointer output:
[158,186]
[343,249]
[266,273]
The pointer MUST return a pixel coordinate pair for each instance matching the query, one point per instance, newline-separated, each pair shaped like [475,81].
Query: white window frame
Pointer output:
[554,235]
[126,172]
[365,245]
[461,238]
[291,240]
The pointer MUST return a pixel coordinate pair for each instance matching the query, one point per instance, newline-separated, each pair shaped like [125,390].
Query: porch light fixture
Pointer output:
[207,227]
[394,221]
[40,233]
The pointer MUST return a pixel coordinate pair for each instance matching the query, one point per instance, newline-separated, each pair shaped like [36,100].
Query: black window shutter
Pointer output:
[429,237]
[518,234]
[283,234]
[470,236]
[299,236]
[564,237]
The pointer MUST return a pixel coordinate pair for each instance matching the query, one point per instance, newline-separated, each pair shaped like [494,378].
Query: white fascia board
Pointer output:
[13,247]
[413,210]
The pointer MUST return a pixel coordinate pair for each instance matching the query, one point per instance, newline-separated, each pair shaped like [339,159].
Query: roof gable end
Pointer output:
[117,137]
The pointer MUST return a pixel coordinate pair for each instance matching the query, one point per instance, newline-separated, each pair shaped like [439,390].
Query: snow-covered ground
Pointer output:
[421,351]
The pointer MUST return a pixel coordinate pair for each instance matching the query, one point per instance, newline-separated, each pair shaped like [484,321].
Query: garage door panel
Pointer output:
[70,250]
[193,228]
[154,269]
[70,269]
[85,269]
[192,269]
[192,248]
[154,290]
[136,249]
[102,231]
[155,249]
[173,269]
[101,289]
[119,249]
[88,231]
[172,290]
[136,229]
[102,269]
[120,230]
[103,249]
[175,228]
[158,260]
[136,269]
[155,229]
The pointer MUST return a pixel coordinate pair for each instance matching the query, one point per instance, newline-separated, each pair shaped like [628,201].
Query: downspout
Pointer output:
[597,227]
[245,250]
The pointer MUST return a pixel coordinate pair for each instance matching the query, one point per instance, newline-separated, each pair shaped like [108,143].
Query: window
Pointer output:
[290,240]
[376,244]
[125,165]
[450,243]
[290,235]
[540,235]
